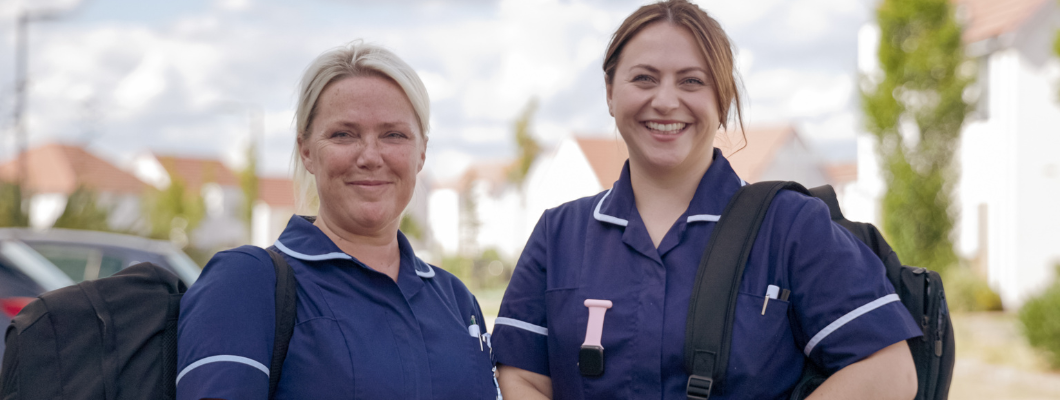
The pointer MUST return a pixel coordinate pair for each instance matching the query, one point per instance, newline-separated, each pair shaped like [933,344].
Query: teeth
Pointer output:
[666,127]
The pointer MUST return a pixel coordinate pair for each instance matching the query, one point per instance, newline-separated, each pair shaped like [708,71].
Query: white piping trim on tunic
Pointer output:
[429,273]
[607,218]
[850,316]
[742,182]
[703,217]
[540,330]
[300,256]
[223,358]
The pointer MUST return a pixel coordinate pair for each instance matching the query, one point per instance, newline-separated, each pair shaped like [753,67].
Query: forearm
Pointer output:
[520,384]
[885,375]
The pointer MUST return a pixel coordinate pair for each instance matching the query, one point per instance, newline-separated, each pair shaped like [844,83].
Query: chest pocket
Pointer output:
[762,348]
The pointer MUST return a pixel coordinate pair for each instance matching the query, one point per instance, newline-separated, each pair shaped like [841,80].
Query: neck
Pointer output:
[662,196]
[377,249]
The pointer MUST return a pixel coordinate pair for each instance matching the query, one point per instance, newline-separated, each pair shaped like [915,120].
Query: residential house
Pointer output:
[55,171]
[1010,173]
[222,226]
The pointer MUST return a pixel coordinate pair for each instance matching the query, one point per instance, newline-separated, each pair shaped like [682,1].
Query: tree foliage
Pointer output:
[83,212]
[248,181]
[173,212]
[916,111]
[12,213]
[527,146]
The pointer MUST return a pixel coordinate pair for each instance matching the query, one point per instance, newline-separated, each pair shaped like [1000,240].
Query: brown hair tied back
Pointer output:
[712,41]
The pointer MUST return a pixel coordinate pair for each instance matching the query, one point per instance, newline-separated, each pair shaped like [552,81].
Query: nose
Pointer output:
[370,156]
[665,100]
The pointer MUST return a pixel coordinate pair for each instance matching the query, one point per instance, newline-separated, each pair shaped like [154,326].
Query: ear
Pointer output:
[610,110]
[307,160]
[423,155]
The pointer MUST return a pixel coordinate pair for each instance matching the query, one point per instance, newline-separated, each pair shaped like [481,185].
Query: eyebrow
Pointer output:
[385,125]
[656,70]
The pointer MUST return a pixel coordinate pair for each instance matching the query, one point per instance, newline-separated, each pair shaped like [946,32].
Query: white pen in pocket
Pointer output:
[475,331]
[771,293]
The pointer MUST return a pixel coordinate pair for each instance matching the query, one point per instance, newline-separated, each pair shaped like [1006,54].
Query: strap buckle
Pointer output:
[699,387]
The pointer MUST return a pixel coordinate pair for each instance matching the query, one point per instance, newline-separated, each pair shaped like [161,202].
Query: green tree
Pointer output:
[916,111]
[411,227]
[1056,44]
[82,212]
[248,181]
[527,146]
[173,211]
[11,212]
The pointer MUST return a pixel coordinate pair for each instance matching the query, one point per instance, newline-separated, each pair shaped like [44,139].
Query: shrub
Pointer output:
[1041,323]
[967,291]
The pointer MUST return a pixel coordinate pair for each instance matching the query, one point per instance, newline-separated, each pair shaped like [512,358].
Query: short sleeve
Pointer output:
[226,328]
[520,331]
[845,307]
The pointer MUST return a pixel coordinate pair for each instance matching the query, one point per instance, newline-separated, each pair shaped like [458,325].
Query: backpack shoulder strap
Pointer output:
[286,302]
[708,333]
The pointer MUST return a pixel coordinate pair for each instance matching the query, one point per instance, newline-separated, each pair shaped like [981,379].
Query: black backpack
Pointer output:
[711,308]
[115,338]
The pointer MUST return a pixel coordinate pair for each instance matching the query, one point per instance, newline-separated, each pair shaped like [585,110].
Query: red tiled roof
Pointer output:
[751,161]
[990,18]
[495,172]
[606,156]
[839,174]
[60,168]
[276,192]
[195,172]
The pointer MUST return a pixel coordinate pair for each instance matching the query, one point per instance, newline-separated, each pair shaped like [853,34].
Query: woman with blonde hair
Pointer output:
[373,320]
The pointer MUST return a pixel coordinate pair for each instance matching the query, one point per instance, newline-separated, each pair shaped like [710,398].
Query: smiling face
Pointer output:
[663,103]
[364,150]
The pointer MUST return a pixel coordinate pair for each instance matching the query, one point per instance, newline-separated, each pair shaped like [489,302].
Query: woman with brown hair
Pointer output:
[631,254]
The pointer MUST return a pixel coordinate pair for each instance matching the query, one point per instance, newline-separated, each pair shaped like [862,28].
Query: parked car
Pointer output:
[24,274]
[33,262]
[87,255]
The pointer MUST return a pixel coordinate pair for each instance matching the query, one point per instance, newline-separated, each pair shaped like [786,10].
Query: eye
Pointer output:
[693,81]
[642,78]
[341,135]
[396,135]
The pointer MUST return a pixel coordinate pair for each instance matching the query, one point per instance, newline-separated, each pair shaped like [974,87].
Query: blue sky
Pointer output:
[124,76]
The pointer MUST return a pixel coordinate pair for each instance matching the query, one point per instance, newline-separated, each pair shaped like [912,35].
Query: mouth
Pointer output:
[368,183]
[671,128]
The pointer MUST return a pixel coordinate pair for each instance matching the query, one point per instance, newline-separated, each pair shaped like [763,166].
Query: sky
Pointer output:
[191,77]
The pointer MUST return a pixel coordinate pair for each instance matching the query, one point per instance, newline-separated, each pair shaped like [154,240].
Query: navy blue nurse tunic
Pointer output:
[841,308]
[359,334]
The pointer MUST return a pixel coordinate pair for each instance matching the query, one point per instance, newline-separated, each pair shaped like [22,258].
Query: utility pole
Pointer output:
[21,81]
[21,61]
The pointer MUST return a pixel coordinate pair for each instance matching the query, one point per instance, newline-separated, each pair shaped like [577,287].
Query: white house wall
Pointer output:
[500,217]
[794,162]
[1010,165]
[443,214]
[556,179]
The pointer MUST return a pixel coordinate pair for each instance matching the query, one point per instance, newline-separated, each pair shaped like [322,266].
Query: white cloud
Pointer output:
[478,134]
[233,5]
[799,94]
[838,126]
[809,20]
[143,84]
[446,165]
[735,14]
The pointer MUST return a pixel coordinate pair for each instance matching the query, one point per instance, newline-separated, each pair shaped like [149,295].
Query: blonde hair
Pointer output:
[354,59]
